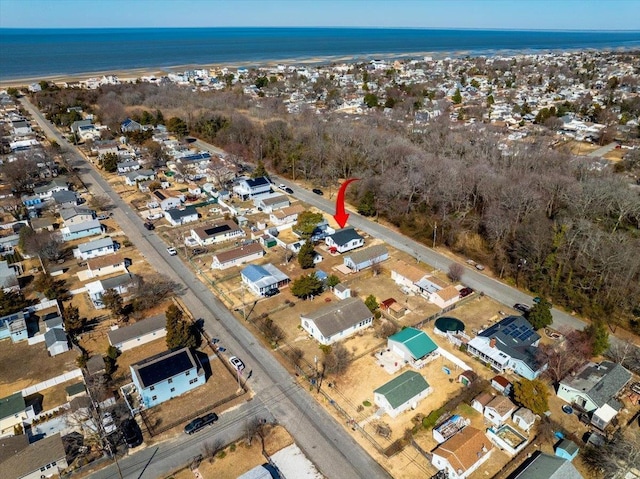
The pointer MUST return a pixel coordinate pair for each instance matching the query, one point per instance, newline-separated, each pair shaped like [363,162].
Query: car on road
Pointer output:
[288,190]
[523,308]
[131,433]
[236,363]
[317,191]
[196,251]
[107,423]
[200,422]
[479,267]
[464,292]
[150,226]
[281,187]
[172,251]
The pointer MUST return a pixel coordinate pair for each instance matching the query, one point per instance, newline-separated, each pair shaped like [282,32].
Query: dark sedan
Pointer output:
[523,308]
[317,191]
[200,422]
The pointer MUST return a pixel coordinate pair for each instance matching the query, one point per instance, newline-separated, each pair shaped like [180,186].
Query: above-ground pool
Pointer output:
[447,324]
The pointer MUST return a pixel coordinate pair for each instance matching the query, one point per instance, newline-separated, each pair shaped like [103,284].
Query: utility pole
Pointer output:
[435,231]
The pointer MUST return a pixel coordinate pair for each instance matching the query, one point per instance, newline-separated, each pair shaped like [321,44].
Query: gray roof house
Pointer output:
[65,199]
[365,258]
[138,333]
[337,321]
[56,341]
[8,276]
[120,283]
[509,344]
[546,466]
[43,458]
[76,214]
[95,248]
[594,389]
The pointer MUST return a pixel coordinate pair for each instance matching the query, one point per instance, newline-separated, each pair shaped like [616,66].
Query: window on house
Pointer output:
[173,390]
[153,398]
[170,380]
[152,388]
[187,373]
[194,380]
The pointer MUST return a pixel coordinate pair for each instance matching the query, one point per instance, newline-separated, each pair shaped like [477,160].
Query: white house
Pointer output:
[437,291]
[286,216]
[344,240]
[139,333]
[263,279]
[121,284]
[524,418]
[401,393]
[406,275]
[81,230]
[412,346]
[252,187]
[499,410]
[337,321]
[226,230]
[271,202]
[464,453]
[41,459]
[133,177]
[237,256]
[95,248]
[166,202]
[179,217]
[56,341]
[47,190]
[76,215]
[105,265]
[365,258]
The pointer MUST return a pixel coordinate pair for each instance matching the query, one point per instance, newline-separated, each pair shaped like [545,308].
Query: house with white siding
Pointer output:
[178,217]
[76,215]
[237,256]
[337,321]
[138,333]
[218,232]
[263,279]
[286,216]
[81,230]
[166,201]
[271,202]
[463,453]
[344,240]
[95,248]
[401,393]
[106,265]
[251,187]
[365,258]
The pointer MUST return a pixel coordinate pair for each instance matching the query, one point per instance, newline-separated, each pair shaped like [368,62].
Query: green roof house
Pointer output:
[401,393]
[13,410]
[412,346]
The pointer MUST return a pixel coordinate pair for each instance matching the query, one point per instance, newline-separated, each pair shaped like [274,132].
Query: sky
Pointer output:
[476,14]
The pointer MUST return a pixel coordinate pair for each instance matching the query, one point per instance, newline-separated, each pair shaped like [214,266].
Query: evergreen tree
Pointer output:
[306,286]
[305,256]
[597,332]
[113,301]
[367,204]
[109,162]
[333,281]
[372,303]
[371,100]
[180,333]
[71,319]
[260,170]
[159,118]
[540,315]
[457,97]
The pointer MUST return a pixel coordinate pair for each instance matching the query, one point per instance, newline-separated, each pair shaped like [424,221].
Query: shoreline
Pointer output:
[132,74]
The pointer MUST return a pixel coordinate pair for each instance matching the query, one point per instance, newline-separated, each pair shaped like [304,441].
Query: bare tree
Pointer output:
[19,173]
[337,359]
[615,459]
[211,448]
[455,272]
[100,202]
[252,427]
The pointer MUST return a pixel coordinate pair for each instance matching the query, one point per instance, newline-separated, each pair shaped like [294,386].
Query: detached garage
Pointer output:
[401,393]
[412,346]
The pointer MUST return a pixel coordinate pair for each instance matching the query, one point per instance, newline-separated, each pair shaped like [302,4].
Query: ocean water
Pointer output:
[29,53]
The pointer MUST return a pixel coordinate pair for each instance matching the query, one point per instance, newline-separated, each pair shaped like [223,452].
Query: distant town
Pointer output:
[170,258]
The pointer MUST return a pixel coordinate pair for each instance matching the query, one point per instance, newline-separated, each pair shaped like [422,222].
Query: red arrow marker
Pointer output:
[341,215]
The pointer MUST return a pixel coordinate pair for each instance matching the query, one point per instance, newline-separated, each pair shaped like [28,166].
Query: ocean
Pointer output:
[33,53]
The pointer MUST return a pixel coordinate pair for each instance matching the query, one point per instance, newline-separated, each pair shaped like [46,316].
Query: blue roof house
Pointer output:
[166,375]
[261,279]
[14,326]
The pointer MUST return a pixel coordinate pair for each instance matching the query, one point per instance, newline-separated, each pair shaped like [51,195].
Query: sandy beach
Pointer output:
[133,74]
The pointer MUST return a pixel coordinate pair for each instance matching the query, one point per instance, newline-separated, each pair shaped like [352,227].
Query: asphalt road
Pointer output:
[327,444]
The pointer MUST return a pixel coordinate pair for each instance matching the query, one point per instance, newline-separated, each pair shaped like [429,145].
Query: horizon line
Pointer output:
[493,29]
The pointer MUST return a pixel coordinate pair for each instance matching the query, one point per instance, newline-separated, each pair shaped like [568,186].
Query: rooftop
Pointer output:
[600,382]
[31,458]
[337,317]
[465,448]
[344,235]
[402,388]
[137,329]
[163,366]
[367,254]
[11,405]
[418,342]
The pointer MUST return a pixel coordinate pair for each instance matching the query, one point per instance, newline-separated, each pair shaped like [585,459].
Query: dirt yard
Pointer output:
[238,458]
[22,365]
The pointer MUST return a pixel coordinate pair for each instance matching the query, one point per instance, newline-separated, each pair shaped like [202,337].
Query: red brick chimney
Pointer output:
[492,343]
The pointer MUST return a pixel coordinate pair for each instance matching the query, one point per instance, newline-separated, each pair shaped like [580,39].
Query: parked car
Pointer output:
[288,190]
[523,308]
[104,216]
[271,292]
[200,422]
[464,292]
[150,226]
[281,187]
[317,191]
[479,267]
[107,423]
[172,251]
[196,251]
[131,433]
[236,363]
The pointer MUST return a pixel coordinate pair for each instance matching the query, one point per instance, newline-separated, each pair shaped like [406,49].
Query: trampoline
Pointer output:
[447,324]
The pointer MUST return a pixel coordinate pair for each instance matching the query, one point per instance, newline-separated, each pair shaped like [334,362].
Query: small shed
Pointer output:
[342,291]
[56,341]
[401,393]
[501,384]
[567,449]
[467,377]
[524,419]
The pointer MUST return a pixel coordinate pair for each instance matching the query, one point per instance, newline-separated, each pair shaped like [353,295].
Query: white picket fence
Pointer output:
[76,373]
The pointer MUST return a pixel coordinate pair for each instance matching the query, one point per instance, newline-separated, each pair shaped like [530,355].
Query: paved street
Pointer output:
[324,441]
